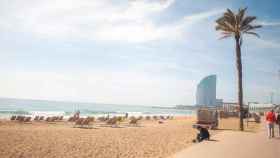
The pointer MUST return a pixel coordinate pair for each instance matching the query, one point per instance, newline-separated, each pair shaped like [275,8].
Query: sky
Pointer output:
[143,52]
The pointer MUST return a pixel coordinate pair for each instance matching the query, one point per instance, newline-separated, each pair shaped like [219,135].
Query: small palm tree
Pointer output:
[237,25]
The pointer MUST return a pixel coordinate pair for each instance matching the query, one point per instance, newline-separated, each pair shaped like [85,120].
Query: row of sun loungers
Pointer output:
[120,119]
[114,122]
[21,118]
[36,118]
[54,118]
[158,117]
[39,118]
[73,119]
[86,122]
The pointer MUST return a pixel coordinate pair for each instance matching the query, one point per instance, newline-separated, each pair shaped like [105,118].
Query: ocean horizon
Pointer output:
[32,107]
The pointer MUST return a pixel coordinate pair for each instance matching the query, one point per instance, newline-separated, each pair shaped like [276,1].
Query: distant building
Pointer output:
[219,102]
[230,106]
[260,106]
[206,91]
[233,106]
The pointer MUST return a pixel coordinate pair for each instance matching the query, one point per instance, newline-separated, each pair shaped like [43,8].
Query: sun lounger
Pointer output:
[134,121]
[13,118]
[169,117]
[70,119]
[79,121]
[91,119]
[155,117]
[41,118]
[148,117]
[112,121]
[27,119]
[102,119]
[18,118]
[50,119]
[73,119]
[60,118]
[21,118]
[83,122]
[36,118]
[120,119]
[140,118]
[86,122]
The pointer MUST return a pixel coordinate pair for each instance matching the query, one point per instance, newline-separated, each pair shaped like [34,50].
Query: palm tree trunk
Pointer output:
[239,74]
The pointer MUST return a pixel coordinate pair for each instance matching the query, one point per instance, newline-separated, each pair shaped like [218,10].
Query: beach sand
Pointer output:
[59,140]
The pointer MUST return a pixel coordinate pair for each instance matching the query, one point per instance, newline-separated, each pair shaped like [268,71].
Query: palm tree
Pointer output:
[237,25]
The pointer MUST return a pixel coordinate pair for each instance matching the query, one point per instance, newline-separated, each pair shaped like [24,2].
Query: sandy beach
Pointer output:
[58,140]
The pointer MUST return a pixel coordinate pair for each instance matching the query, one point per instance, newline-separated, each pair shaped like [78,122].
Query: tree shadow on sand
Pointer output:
[236,130]
[213,140]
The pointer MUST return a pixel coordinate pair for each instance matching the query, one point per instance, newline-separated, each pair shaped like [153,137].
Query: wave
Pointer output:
[89,112]
[18,112]
[47,113]
[85,111]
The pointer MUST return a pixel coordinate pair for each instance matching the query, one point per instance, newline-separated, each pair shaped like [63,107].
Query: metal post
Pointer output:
[278,88]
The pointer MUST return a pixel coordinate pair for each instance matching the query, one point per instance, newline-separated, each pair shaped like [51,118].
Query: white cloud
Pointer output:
[266,23]
[264,43]
[95,20]
[204,15]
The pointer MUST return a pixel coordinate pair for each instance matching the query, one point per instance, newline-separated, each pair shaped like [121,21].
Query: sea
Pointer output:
[27,107]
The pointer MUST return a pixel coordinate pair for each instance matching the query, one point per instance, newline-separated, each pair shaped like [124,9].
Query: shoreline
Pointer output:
[65,117]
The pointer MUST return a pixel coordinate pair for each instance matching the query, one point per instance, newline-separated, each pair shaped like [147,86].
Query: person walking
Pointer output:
[278,122]
[270,119]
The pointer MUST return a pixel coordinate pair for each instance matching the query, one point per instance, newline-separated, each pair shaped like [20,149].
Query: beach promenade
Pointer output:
[235,144]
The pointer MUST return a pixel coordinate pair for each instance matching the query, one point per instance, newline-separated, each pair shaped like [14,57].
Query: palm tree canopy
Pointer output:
[236,25]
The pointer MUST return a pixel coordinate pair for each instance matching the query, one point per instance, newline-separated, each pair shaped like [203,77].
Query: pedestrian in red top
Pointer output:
[270,119]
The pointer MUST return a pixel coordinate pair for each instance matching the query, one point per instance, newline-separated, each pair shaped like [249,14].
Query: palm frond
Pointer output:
[225,24]
[240,15]
[225,36]
[252,33]
[256,27]
[229,18]
[247,20]
[227,33]
[250,27]
[223,28]
[230,13]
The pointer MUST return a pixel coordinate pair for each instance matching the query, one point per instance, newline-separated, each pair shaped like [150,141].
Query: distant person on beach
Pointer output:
[270,119]
[202,135]
[77,114]
[278,122]
[126,115]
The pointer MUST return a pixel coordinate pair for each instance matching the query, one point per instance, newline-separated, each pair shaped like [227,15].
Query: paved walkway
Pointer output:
[234,144]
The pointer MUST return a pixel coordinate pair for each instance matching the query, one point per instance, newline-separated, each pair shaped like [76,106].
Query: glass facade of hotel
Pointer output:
[206,91]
